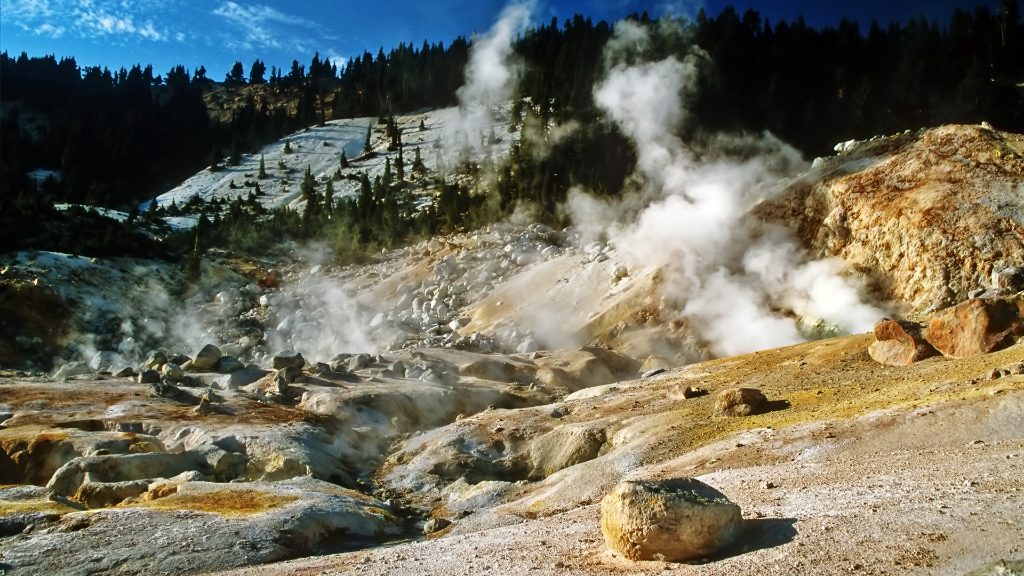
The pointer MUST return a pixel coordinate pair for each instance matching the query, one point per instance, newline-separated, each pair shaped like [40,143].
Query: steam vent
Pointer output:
[598,294]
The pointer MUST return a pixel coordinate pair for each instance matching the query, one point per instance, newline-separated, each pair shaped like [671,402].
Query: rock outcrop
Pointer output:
[926,218]
[670,520]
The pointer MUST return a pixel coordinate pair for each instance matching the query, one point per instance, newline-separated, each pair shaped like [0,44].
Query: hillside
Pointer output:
[320,149]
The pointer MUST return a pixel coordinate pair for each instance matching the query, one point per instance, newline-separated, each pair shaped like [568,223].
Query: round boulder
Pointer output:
[671,520]
[739,402]
[206,358]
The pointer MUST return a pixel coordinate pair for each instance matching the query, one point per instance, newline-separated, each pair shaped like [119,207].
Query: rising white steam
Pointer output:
[491,74]
[730,279]
[318,318]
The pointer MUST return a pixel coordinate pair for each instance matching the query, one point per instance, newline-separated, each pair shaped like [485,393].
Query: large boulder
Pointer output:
[206,358]
[739,402]
[975,327]
[670,520]
[899,343]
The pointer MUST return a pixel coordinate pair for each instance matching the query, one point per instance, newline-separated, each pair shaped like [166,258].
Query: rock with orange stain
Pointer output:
[976,327]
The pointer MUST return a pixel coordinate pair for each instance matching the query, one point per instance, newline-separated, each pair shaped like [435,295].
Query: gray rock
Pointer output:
[173,372]
[206,358]
[156,359]
[72,369]
[238,378]
[179,359]
[164,389]
[126,372]
[398,367]
[285,377]
[149,377]
[105,361]
[358,362]
[436,525]
[228,364]
[286,359]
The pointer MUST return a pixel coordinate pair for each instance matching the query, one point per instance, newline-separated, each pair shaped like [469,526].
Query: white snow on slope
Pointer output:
[320,149]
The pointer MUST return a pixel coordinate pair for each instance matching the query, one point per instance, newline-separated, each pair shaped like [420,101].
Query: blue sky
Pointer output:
[216,33]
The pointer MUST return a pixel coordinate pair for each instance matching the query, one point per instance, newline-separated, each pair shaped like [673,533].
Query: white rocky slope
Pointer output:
[320,148]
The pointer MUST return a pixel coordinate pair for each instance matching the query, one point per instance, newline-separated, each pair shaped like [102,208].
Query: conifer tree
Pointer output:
[308,185]
[422,125]
[215,159]
[400,165]
[287,146]
[263,171]
[417,163]
[329,198]
[235,158]
[366,145]
[344,159]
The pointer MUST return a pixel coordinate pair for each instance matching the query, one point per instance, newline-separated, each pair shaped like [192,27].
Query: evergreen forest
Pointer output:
[118,138]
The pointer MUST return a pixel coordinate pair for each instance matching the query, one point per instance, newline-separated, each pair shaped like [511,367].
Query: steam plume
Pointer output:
[490,81]
[728,278]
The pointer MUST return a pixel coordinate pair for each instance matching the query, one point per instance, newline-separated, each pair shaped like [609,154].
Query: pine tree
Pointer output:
[215,159]
[422,125]
[263,171]
[417,163]
[235,158]
[400,165]
[308,185]
[287,146]
[329,198]
[344,159]
[366,145]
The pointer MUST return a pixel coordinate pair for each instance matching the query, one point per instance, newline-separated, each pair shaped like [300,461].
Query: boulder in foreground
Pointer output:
[671,520]
[899,343]
[975,327]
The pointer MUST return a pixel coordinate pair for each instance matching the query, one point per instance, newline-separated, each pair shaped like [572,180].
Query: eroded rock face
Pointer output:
[739,402]
[672,520]
[926,217]
[976,327]
[899,343]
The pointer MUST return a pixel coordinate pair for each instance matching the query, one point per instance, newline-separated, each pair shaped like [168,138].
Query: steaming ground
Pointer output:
[472,369]
[504,379]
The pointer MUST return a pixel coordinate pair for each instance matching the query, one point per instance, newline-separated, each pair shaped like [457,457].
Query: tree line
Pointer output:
[118,137]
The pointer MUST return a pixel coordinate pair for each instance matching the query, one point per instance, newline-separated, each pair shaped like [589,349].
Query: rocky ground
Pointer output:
[462,406]
[861,469]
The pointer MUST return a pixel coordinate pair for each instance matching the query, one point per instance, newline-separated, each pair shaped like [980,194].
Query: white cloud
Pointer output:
[88,18]
[49,30]
[261,26]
